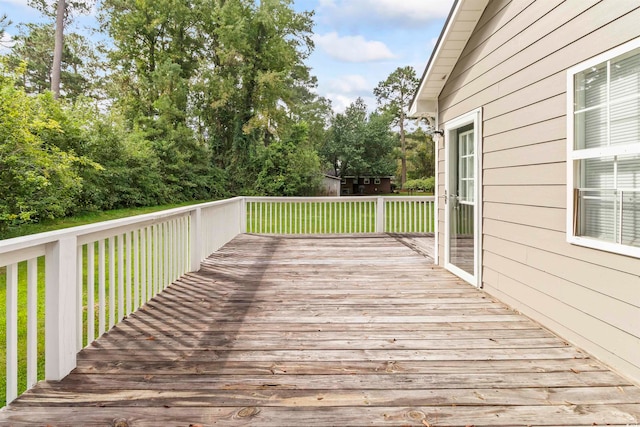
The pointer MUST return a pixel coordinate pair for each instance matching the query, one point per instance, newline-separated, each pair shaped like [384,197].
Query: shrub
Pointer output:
[426,185]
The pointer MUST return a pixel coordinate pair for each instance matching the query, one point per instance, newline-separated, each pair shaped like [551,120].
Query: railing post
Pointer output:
[380,215]
[196,239]
[243,215]
[60,308]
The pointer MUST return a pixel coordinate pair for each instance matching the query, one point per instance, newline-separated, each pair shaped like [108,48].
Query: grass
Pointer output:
[83,219]
[337,217]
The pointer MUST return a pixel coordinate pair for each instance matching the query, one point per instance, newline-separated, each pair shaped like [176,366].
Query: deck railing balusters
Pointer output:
[12,331]
[90,292]
[143,266]
[101,288]
[178,247]
[121,269]
[79,297]
[32,322]
[112,282]
[136,270]
[149,284]
[165,254]
[133,259]
[185,245]
[300,214]
[175,265]
[156,260]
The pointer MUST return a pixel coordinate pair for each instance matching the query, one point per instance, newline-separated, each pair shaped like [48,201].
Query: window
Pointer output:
[355,180]
[343,181]
[366,181]
[466,165]
[604,151]
[376,181]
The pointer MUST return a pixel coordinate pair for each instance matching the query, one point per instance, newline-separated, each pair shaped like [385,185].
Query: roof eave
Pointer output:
[459,26]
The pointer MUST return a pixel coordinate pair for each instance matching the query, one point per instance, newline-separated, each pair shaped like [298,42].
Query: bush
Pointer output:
[38,180]
[426,185]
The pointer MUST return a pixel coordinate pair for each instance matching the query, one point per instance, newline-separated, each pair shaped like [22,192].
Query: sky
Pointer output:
[358,42]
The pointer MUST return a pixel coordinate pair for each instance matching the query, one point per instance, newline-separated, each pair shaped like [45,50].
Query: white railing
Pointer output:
[343,215]
[94,276]
[97,274]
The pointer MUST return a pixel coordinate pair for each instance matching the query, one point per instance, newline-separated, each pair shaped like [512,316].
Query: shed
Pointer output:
[331,185]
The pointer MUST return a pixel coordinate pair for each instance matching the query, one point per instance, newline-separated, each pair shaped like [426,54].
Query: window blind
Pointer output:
[607,114]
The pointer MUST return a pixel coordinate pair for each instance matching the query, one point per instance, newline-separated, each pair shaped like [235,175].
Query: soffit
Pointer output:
[462,20]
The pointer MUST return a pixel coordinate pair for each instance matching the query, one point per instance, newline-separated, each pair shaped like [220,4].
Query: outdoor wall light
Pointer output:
[439,132]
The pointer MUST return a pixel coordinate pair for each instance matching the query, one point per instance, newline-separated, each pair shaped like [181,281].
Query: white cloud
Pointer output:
[6,42]
[391,12]
[352,48]
[340,101]
[353,83]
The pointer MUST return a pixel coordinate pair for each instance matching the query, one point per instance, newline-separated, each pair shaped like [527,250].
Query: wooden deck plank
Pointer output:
[329,330]
[336,367]
[223,344]
[441,416]
[324,398]
[323,335]
[511,380]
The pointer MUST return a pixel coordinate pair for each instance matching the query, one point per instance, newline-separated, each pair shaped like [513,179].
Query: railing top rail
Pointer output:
[410,198]
[339,199]
[313,199]
[18,243]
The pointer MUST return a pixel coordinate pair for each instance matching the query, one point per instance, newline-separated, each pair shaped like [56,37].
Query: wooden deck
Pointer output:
[277,331]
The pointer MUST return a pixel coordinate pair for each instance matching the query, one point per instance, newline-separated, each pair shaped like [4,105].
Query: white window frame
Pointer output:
[376,181]
[366,181]
[574,155]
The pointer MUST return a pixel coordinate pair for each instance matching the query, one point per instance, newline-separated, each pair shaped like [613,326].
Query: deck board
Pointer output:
[330,330]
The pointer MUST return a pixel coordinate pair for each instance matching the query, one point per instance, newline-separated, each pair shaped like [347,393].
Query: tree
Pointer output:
[228,74]
[156,56]
[255,85]
[378,158]
[344,147]
[359,143]
[81,63]
[56,68]
[61,10]
[290,166]
[4,23]
[34,46]
[394,96]
[420,155]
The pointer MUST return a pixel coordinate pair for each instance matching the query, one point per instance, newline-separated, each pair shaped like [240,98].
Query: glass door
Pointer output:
[461,203]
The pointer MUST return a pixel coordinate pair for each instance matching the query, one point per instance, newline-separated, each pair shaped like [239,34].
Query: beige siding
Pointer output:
[514,67]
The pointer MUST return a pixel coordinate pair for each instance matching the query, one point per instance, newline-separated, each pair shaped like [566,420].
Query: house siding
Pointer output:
[514,67]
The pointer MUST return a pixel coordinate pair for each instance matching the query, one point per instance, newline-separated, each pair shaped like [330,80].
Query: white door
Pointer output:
[462,198]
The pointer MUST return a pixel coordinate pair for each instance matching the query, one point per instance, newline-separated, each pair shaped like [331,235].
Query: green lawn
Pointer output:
[85,218]
[22,326]
[337,217]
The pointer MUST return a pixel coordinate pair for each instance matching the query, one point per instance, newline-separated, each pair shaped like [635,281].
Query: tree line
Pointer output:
[189,100]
